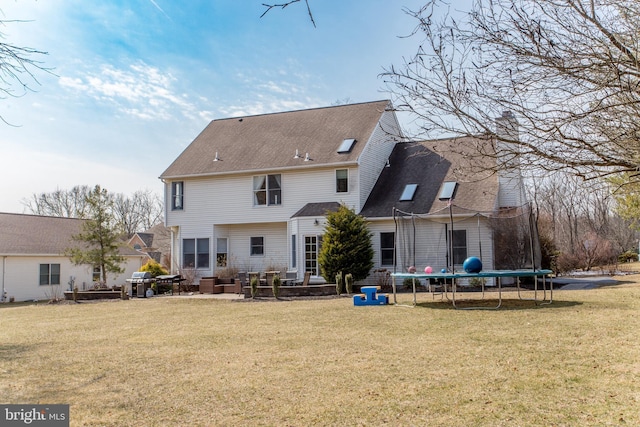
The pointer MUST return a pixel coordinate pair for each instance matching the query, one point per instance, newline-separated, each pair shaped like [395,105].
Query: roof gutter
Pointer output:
[254,171]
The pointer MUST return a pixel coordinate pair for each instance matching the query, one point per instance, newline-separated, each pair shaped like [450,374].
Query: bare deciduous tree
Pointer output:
[139,212]
[569,70]
[64,203]
[580,219]
[17,66]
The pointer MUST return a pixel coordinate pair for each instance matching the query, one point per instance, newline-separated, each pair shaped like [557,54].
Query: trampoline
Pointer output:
[450,285]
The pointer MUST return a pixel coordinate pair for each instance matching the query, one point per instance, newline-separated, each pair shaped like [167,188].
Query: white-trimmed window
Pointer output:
[257,246]
[342,180]
[459,245]
[195,253]
[386,248]
[222,251]
[267,190]
[49,274]
[177,195]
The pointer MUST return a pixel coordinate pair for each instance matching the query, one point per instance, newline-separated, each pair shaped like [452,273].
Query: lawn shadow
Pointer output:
[507,304]
[13,351]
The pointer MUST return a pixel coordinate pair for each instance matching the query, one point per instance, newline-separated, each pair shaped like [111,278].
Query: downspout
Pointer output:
[4,265]
[175,265]
[173,247]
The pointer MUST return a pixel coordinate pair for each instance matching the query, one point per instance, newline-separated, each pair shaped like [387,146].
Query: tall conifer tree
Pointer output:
[100,236]
[346,246]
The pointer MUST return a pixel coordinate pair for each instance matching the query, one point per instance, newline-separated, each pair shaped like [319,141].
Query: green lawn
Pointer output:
[170,361]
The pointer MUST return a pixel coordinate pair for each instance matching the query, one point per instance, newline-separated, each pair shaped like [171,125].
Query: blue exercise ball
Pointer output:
[472,265]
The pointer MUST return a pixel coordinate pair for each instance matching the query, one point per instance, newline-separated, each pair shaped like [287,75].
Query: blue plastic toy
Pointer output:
[370,297]
[472,265]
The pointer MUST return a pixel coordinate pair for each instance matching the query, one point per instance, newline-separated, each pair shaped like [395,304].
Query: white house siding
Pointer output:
[431,244]
[21,276]
[377,227]
[374,157]
[239,246]
[228,199]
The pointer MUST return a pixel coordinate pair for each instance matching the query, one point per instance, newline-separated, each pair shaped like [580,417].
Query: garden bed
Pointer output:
[92,295]
[294,291]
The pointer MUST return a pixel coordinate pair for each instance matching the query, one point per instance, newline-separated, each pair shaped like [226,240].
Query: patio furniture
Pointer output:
[290,278]
[241,282]
[269,277]
[307,278]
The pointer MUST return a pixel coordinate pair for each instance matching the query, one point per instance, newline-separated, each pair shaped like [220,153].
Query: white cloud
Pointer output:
[141,91]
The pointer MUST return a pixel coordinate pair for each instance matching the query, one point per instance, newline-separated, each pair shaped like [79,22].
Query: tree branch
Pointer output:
[283,5]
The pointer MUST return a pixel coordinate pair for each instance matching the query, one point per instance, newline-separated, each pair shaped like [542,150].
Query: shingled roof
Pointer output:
[428,164]
[317,209]
[270,141]
[22,234]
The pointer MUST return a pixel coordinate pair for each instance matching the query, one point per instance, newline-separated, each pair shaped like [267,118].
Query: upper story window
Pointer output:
[342,180]
[177,195]
[267,190]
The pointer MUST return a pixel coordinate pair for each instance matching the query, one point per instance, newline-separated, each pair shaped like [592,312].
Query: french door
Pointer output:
[312,246]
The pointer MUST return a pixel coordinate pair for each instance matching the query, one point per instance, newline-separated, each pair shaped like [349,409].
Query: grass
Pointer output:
[171,361]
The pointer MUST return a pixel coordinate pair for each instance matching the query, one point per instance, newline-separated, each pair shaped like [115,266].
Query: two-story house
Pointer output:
[252,192]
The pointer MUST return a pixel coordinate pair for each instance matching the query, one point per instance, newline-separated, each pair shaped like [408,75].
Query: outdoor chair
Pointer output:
[307,278]
[241,282]
[269,277]
[435,287]
[290,277]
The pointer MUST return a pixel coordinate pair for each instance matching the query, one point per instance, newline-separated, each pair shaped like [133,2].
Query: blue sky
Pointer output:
[135,81]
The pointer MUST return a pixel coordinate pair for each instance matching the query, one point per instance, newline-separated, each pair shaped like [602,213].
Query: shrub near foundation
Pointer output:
[254,286]
[275,286]
[339,283]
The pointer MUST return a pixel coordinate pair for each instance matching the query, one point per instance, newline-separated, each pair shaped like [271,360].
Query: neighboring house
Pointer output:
[252,192]
[155,242]
[32,261]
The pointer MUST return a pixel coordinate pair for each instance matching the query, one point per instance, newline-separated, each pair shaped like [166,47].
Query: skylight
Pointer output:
[346,145]
[409,192]
[448,190]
